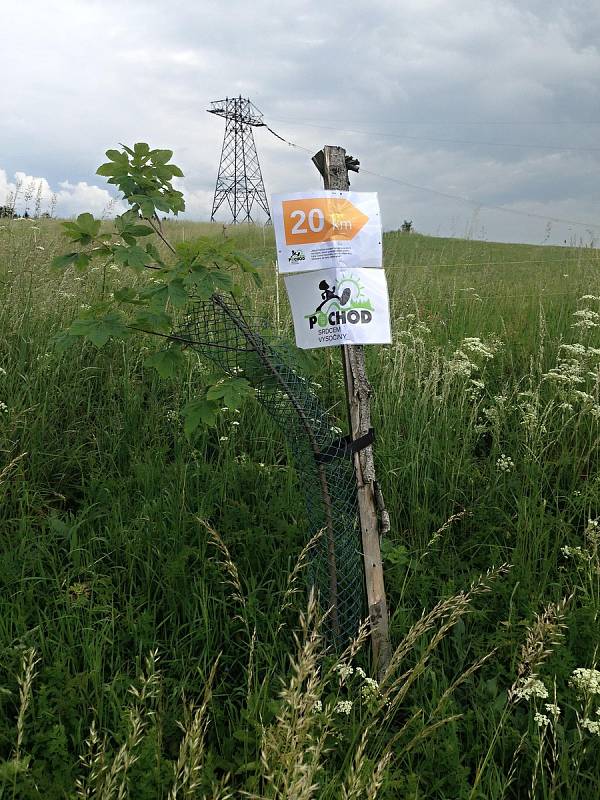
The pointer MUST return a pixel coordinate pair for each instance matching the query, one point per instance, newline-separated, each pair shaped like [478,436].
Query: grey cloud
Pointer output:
[85,76]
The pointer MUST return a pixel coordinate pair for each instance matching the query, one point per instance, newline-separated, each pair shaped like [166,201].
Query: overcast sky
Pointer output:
[480,99]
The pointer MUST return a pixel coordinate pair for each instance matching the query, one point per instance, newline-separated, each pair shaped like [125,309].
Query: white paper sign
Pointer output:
[339,306]
[316,230]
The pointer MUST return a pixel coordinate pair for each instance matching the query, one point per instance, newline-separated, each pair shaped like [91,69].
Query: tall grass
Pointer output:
[122,539]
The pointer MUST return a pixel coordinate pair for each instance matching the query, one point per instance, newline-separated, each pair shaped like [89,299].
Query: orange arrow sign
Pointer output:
[321,219]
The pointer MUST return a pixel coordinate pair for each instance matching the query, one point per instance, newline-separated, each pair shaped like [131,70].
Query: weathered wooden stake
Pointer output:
[333,164]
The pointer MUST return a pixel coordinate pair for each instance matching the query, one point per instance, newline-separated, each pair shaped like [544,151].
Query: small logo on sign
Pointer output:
[296,257]
[345,304]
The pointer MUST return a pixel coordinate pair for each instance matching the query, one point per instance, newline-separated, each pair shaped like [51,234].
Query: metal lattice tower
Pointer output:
[239,180]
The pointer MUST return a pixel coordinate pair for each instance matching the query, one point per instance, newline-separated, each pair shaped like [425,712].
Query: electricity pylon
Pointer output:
[239,180]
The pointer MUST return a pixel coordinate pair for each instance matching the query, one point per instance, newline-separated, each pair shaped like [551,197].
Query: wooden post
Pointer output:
[333,164]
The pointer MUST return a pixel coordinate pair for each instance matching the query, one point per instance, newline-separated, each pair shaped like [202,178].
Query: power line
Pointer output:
[457,123]
[448,196]
[478,204]
[518,145]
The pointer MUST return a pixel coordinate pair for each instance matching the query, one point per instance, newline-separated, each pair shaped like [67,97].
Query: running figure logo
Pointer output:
[342,303]
[328,294]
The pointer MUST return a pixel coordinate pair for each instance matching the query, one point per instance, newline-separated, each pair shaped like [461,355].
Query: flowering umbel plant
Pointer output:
[168,277]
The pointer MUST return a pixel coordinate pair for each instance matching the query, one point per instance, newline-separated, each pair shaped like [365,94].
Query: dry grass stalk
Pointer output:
[353,787]
[8,468]
[94,764]
[542,636]
[191,750]
[374,784]
[29,662]
[475,666]
[447,612]
[440,531]
[292,587]
[364,631]
[106,782]
[250,665]
[233,577]
[292,747]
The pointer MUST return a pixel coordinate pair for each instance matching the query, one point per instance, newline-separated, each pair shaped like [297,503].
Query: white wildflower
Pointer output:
[575,349]
[370,690]
[473,344]
[224,438]
[3,408]
[343,707]
[318,706]
[172,415]
[343,670]
[505,463]
[585,681]
[586,318]
[583,396]
[492,414]
[591,725]
[541,719]
[569,373]
[235,423]
[576,553]
[553,709]
[530,687]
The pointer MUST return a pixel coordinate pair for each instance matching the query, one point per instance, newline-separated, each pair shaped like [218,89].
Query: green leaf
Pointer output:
[162,205]
[205,281]
[145,204]
[133,256]
[156,294]
[139,230]
[166,362]
[161,156]
[198,412]
[141,149]
[126,295]
[202,283]
[117,155]
[150,320]
[63,341]
[88,225]
[152,251]
[99,331]
[110,169]
[82,260]
[177,293]
[59,262]
[230,391]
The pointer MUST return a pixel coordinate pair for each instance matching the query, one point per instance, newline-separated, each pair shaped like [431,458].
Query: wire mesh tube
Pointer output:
[242,345]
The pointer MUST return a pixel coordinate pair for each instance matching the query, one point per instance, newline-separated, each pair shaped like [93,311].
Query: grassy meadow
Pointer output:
[156,638]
